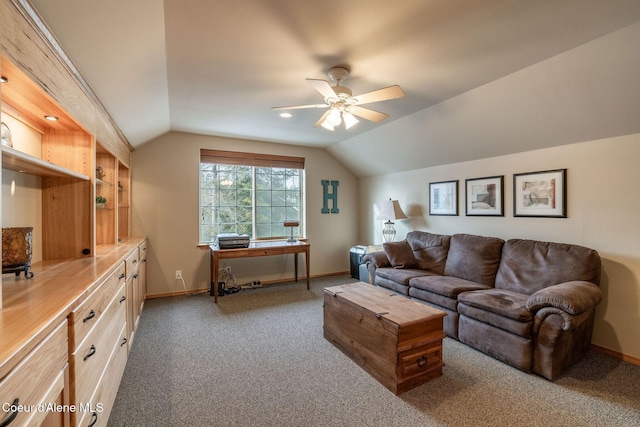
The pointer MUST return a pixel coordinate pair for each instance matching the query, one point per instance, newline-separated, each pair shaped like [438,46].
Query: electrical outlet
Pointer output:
[178,274]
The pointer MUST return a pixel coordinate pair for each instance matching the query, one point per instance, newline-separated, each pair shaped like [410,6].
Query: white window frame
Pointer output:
[255,163]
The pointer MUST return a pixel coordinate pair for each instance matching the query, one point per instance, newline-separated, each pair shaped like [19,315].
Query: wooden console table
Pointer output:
[256,249]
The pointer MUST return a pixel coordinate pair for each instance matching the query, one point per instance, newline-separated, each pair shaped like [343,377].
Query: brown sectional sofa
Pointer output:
[528,303]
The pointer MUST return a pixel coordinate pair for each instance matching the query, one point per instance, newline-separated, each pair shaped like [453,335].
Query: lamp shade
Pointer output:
[390,209]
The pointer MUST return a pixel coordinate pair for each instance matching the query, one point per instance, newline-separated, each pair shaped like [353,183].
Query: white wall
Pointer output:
[165,181]
[603,213]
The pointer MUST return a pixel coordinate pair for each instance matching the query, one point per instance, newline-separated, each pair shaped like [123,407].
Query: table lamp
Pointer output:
[291,224]
[390,210]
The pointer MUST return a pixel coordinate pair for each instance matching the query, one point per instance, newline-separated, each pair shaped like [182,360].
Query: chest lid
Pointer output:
[386,304]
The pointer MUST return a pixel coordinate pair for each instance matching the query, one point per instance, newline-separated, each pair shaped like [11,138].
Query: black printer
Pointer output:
[232,241]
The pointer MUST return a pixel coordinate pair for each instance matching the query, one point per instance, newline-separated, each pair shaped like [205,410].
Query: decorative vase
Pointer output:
[17,250]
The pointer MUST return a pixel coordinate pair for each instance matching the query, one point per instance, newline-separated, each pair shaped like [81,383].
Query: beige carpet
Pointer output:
[258,358]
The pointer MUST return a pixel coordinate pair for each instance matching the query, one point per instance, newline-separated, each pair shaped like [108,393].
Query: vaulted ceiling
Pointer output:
[217,67]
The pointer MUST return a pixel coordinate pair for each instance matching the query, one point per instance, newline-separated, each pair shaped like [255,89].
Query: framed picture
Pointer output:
[484,196]
[540,194]
[443,198]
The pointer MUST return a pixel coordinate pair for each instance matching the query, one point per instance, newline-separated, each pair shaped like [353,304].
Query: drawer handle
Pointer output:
[92,351]
[91,315]
[12,416]
[94,419]
[422,361]
[122,276]
[135,276]
[123,299]
[124,341]
[134,261]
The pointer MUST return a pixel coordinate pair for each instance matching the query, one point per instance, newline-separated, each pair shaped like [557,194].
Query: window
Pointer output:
[249,194]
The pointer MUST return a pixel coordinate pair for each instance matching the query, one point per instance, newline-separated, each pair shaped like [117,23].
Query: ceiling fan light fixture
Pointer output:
[349,120]
[328,126]
[334,118]
[342,105]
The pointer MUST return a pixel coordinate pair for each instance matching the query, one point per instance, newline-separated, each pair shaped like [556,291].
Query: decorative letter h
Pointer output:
[333,196]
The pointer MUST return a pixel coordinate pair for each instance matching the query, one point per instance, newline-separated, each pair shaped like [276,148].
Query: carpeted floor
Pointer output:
[258,358]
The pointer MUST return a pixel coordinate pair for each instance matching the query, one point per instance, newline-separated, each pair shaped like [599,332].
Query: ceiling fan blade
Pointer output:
[383,94]
[324,116]
[323,87]
[299,107]
[368,114]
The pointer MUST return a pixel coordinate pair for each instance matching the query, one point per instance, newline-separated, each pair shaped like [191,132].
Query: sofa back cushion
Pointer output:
[474,258]
[430,250]
[529,265]
[400,254]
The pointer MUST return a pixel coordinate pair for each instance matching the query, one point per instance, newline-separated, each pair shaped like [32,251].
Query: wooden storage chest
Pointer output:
[394,339]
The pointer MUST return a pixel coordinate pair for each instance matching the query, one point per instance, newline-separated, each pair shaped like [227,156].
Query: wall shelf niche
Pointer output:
[106,216]
[61,152]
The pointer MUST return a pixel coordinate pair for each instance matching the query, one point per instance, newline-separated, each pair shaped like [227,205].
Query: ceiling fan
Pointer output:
[342,105]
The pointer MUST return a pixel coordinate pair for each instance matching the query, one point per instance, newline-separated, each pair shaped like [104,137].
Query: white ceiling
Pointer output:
[217,67]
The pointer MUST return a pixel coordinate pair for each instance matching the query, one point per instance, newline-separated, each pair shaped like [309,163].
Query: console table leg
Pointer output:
[214,276]
[306,255]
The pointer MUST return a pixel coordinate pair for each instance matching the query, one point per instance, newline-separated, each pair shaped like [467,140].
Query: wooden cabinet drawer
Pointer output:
[131,263]
[37,379]
[87,315]
[420,360]
[91,356]
[105,394]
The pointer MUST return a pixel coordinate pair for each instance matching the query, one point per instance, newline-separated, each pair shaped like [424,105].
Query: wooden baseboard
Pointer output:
[617,355]
[288,280]
[175,294]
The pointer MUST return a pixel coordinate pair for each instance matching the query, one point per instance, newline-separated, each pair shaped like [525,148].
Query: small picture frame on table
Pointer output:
[443,198]
[484,196]
[540,194]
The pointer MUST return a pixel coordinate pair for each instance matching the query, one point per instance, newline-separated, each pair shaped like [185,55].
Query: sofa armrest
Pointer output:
[377,259]
[575,297]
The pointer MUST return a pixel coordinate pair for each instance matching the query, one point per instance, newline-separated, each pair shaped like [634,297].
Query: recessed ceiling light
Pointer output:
[52,118]
[286,115]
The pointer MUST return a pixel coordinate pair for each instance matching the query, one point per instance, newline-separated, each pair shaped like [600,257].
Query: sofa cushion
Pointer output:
[400,254]
[445,285]
[430,250]
[433,298]
[499,301]
[500,308]
[474,258]
[528,265]
[381,282]
[400,275]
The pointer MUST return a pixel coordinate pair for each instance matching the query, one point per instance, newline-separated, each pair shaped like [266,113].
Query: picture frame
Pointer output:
[443,198]
[540,194]
[484,196]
